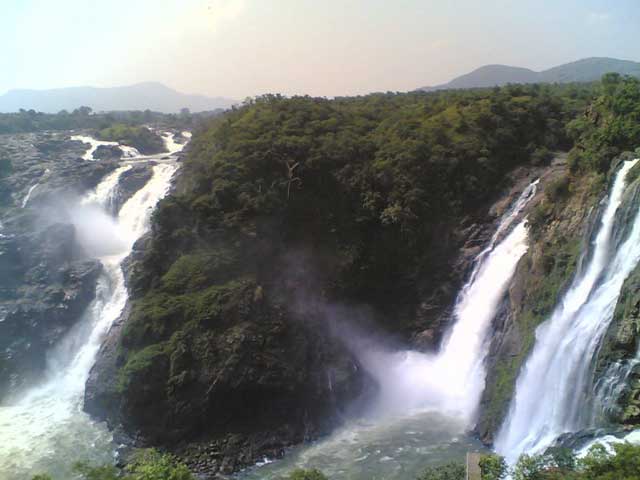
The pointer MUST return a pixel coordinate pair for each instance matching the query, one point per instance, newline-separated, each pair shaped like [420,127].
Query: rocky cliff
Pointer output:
[562,223]
[47,281]
[295,222]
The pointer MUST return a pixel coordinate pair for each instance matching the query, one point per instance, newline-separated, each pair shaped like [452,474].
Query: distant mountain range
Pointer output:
[585,70]
[142,96]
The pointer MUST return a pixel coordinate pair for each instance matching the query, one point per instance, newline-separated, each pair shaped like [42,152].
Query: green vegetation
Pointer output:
[607,127]
[353,199]
[84,118]
[301,474]
[542,286]
[493,467]
[368,180]
[610,126]
[450,471]
[599,464]
[357,200]
[147,464]
[623,463]
[146,141]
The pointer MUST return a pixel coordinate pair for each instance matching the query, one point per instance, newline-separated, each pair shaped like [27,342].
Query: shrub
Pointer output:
[557,189]
[529,467]
[88,472]
[449,471]
[302,474]
[541,156]
[493,467]
[149,464]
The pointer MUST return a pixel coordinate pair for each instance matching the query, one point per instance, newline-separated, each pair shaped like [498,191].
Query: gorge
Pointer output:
[367,285]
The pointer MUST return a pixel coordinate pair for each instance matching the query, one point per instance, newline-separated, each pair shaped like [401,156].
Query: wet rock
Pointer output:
[130,182]
[108,152]
[47,282]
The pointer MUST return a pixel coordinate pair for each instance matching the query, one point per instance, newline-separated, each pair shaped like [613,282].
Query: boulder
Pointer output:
[108,152]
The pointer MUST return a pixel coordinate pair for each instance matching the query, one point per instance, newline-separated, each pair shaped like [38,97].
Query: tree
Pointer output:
[301,474]
[493,467]
[449,471]
[83,111]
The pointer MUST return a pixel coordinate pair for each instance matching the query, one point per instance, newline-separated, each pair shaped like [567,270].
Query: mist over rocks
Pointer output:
[287,245]
[47,278]
[46,288]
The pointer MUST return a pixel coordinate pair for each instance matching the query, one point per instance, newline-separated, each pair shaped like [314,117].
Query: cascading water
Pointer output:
[27,197]
[609,388]
[46,428]
[170,142]
[551,389]
[452,380]
[426,401]
[127,151]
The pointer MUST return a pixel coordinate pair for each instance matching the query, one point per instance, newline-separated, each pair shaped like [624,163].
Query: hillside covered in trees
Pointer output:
[293,217]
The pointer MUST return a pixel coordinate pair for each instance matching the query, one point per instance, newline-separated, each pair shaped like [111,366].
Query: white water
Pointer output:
[170,143]
[452,381]
[550,391]
[427,401]
[128,152]
[608,441]
[46,429]
[27,197]
[107,189]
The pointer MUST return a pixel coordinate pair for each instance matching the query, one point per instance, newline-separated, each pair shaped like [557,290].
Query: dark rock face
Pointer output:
[460,247]
[108,152]
[46,281]
[52,161]
[264,369]
[130,182]
[560,230]
[619,347]
[223,397]
[47,292]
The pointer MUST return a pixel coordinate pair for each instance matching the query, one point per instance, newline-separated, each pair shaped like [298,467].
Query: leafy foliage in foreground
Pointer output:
[302,474]
[147,464]
[623,463]
[450,471]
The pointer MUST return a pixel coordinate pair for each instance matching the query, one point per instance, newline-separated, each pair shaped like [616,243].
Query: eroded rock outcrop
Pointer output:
[47,281]
[562,223]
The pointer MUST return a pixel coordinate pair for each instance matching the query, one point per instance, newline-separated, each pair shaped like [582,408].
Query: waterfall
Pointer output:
[93,145]
[609,388]
[551,390]
[46,429]
[452,380]
[27,197]
[129,152]
[106,190]
[426,401]
[169,142]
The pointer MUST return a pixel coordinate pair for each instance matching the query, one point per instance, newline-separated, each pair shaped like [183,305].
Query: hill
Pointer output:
[585,70]
[142,96]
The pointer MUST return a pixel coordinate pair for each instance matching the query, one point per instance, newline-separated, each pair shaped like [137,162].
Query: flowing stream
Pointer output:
[127,151]
[27,197]
[45,428]
[552,389]
[427,402]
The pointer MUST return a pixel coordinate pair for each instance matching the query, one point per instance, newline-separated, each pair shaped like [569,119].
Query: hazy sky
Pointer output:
[239,48]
